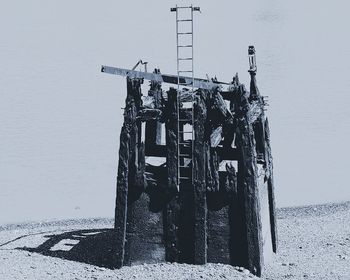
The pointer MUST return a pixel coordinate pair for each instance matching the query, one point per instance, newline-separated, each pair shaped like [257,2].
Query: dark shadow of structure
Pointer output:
[91,246]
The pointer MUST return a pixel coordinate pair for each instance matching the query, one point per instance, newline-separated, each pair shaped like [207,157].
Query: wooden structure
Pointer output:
[224,209]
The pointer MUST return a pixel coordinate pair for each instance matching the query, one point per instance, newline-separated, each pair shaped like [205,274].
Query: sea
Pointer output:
[60,117]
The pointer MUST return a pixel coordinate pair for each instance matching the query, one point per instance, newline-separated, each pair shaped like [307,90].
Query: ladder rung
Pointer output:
[185,178]
[184,155]
[185,46]
[185,131]
[184,20]
[184,84]
[185,71]
[186,58]
[184,33]
[184,143]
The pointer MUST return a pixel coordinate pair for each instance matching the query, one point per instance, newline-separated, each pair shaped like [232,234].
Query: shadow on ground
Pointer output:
[91,246]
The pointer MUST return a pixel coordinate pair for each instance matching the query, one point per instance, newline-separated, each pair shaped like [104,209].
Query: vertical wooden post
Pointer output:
[254,91]
[199,178]
[153,133]
[271,188]
[127,161]
[248,183]
[122,197]
[172,209]
[134,91]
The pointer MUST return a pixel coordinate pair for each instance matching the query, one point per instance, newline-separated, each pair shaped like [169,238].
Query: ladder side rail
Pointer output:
[192,95]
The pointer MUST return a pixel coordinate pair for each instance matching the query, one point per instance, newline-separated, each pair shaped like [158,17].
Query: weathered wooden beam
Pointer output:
[171,79]
[216,137]
[172,209]
[224,153]
[255,111]
[153,128]
[148,102]
[254,91]
[149,114]
[231,179]
[186,96]
[171,127]
[134,92]
[199,185]
[248,183]
[271,189]
[127,166]
[212,169]
[228,133]
[121,198]
[156,176]
[140,178]
[219,111]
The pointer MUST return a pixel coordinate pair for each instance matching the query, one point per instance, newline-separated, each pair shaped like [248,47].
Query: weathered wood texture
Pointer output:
[230,185]
[212,169]
[171,140]
[216,137]
[219,231]
[153,116]
[263,148]
[199,182]
[154,102]
[224,153]
[172,208]
[127,166]
[136,171]
[248,182]
[218,217]
[121,198]
[254,91]
[271,189]
[144,233]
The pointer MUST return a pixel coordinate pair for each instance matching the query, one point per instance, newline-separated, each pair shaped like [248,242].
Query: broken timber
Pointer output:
[226,213]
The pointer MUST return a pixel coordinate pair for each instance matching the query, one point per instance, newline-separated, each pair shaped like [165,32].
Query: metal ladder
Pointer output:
[185,146]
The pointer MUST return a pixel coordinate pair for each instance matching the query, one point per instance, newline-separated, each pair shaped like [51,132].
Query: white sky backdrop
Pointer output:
[60,117]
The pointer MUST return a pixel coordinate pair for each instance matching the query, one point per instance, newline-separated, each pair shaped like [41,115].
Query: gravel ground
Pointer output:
[314,243]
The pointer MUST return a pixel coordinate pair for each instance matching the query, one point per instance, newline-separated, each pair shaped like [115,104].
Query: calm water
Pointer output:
[60,118]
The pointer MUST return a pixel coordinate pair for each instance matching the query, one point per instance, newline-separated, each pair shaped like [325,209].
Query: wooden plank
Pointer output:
[121,198]
[254,91]
[219,111]
[231,179]
[171,79]
[199,178]
[130,177]
[148,115]
[172,209]
[153,128]
[132,107]
[249,185]
[222,152]
[256,110]
[140,178]
[271,189]
[216,137]
[144,233]
[212,169]
[171,140]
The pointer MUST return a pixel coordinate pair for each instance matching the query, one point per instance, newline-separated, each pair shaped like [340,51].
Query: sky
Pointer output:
[60,117]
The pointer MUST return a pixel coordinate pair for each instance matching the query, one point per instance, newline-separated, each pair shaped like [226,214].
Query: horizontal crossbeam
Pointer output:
[161,78]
